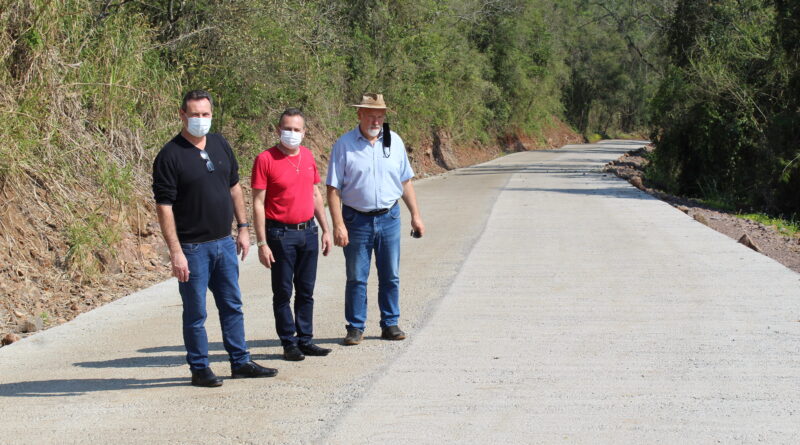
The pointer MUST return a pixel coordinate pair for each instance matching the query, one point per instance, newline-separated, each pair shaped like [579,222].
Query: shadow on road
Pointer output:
[218,346]
[76,387]
[617,192]
[159,361]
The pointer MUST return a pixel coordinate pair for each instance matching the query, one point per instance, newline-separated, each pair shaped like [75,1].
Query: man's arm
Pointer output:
[166,219]
[335,205]
[322,220]
[243,237]
[259,221]
[410,198]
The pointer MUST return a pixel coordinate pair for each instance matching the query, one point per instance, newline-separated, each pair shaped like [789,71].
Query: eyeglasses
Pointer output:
[209,164]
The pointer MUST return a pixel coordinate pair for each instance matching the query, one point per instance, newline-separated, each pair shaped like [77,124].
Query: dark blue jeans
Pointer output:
[296,253]
[212,265]
[367,234]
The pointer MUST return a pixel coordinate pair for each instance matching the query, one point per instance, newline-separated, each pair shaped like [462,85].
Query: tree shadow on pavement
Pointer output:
[616,192]
[579,166]
[76,387]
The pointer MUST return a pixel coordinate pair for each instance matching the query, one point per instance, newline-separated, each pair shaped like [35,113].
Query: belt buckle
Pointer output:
[302,226]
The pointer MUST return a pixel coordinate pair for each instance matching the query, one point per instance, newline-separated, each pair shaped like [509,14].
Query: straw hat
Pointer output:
[372,100]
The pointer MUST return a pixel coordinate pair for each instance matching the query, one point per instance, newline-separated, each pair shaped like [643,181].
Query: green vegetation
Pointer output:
[726,116]
[89,89]
[784,226]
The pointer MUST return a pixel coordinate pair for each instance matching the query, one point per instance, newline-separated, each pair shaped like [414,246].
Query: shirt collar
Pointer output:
[361,136]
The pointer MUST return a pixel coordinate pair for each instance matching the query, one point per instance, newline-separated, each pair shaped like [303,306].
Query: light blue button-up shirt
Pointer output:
[366,178]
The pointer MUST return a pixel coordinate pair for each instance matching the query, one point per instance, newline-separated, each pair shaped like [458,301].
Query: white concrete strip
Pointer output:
[589,312]
[548,303]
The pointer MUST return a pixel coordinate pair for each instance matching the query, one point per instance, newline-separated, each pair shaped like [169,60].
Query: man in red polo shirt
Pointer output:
[285,202]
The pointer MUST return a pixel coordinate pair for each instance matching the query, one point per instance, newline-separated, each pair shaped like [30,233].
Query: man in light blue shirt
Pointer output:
[367,174]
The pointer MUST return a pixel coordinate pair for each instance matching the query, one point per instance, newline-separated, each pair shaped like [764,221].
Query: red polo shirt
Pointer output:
[289,182]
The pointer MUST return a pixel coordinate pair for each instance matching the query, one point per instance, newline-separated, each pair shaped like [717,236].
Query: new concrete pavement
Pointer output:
[547,303]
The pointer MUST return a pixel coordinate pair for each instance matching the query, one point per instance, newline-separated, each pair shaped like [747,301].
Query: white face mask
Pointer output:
[198,126]
[291,139]
[373,132]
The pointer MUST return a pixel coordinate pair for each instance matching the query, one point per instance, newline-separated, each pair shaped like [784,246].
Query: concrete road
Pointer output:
[547,303]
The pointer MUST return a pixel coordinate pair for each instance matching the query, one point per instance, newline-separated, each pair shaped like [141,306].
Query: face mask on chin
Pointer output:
[198,126]
[291,139]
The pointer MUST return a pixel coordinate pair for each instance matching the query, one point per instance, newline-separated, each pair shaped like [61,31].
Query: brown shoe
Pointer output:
[393,333]
[353,337]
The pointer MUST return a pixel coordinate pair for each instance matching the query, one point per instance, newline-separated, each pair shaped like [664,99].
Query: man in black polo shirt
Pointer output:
[197,193]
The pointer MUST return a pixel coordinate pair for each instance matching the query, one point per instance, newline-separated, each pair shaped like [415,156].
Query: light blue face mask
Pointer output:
[198,126]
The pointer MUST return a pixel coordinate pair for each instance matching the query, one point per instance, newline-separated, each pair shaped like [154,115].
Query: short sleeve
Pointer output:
[258,176]
[234,175]
[406,172]
[317,179]
[165,179]
[336,165]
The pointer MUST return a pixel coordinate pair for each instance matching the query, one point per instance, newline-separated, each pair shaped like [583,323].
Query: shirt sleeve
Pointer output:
[258,177]
[317,179]
[406,172]
[165,179]
[234,175]
[336,165]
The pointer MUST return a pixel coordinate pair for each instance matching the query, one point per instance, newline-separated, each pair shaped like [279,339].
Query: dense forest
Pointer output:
[89,90]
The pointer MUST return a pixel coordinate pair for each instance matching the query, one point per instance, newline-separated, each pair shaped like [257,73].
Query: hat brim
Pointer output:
[374,107]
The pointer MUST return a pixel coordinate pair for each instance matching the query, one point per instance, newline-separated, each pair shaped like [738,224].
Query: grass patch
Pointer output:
[789,227]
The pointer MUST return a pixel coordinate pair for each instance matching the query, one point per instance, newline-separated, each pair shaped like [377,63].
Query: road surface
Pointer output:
[547,303]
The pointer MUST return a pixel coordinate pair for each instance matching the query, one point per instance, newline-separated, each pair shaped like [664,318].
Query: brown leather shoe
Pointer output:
[353,337]
[392,333]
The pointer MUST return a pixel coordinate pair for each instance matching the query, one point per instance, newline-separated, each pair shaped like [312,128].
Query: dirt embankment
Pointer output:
[767,240]
[38,290]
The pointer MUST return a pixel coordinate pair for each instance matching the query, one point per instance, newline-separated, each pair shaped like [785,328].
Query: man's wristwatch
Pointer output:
[240,225]
[261,243]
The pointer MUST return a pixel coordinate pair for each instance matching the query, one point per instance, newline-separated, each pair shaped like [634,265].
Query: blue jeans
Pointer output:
[212,265]
[296,253]
[366,234]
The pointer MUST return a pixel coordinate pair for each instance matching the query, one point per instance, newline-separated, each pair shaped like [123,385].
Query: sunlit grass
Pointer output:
[784,226]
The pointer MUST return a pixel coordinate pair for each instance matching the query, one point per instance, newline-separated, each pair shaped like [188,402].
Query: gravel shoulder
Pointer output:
[767,240]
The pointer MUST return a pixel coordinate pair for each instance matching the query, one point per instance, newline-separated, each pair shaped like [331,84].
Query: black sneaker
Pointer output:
[313,350]
[252,370]
[205,378]
[293,353]
[353,337]
[392,333]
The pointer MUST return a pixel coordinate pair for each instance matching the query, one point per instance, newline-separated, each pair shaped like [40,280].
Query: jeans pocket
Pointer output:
[394,212]
[349,215]
[276,233]
[189,248]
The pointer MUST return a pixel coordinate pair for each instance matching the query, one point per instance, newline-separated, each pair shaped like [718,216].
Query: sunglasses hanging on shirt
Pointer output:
[387,140]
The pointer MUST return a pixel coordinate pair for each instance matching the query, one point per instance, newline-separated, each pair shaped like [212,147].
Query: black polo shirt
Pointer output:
[201,200]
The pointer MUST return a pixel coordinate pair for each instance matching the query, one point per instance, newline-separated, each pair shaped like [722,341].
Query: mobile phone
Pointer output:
[415,234]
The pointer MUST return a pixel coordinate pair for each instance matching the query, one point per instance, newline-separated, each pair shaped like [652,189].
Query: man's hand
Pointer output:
[243,242]
[340,236]
[265,256]
[180,267]
[418,226]
[326,242]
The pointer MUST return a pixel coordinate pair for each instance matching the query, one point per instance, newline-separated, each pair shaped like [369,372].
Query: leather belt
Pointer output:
[300,226]
[374,212]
